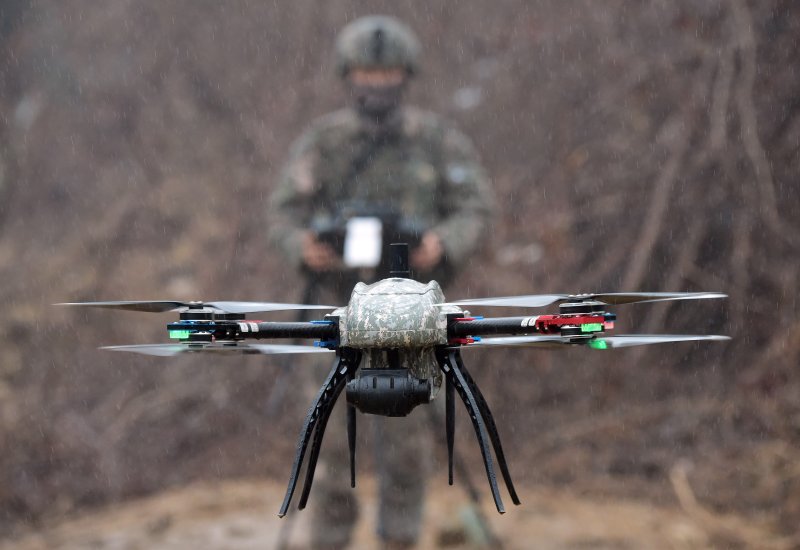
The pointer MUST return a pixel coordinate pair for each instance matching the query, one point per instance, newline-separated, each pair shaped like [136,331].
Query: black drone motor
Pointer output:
[585,307]
[202,324]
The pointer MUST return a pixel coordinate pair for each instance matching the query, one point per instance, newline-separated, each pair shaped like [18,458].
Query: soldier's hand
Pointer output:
[318,256]
[429,252]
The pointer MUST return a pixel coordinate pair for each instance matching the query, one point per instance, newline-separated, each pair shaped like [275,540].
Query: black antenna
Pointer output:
[398,266]
[378,45]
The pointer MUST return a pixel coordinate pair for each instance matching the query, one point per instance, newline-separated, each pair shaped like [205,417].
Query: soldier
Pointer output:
[383,157]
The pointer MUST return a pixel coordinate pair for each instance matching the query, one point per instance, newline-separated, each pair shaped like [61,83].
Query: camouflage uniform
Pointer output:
[424,166]
[430,171]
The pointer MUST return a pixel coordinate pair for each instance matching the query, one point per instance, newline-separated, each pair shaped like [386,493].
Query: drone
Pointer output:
[396,344]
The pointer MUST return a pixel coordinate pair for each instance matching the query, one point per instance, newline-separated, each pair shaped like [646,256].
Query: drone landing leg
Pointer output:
[317,417]
[491,427]
[348,364]
[449,365]
[351,434]
[449,424]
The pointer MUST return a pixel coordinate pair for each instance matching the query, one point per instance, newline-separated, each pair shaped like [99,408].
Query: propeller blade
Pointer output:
[168,350]
[255,307]
[531,300]
[271,349]
[611,298]
[598,342]
[629,340]
[161,306]
[161,350]
[550,341]
[617,298]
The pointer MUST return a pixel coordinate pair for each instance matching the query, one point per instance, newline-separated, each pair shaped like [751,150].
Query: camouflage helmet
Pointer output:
[376,41]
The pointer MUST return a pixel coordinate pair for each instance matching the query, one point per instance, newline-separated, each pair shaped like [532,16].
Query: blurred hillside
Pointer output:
[633,146]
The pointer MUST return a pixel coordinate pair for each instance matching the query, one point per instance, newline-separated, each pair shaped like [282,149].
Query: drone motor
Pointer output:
[200,323]
[584,306]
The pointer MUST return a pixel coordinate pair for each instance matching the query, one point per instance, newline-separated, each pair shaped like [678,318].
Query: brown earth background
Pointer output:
[649,145]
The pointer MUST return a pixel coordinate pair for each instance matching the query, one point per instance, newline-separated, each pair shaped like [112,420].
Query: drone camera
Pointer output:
[387,392]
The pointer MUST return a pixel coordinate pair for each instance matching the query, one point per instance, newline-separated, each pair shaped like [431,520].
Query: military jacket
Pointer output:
[424,167]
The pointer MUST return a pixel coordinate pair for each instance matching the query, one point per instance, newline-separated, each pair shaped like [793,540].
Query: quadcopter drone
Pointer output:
[396,343]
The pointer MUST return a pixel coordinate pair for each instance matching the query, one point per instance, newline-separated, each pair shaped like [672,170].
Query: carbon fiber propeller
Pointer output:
[239,348]
[611,298]
[162,306]
[618,341]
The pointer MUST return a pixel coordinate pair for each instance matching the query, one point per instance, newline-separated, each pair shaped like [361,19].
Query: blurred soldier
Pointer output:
[385,158]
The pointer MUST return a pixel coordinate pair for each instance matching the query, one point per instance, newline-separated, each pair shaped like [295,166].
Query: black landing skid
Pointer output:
[459,380]
[344,368]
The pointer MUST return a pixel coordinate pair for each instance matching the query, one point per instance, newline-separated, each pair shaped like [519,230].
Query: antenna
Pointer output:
[398,266]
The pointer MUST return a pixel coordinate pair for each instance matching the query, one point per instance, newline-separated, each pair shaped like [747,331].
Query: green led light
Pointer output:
[592,327]
[179,334]
[598,344]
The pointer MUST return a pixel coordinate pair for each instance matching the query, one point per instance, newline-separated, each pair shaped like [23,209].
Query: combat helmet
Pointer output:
[376,41]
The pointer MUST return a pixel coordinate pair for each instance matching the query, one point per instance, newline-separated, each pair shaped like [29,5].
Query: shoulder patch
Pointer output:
[457,173]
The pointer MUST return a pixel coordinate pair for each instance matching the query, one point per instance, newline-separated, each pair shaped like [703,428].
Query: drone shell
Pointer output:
[394,313]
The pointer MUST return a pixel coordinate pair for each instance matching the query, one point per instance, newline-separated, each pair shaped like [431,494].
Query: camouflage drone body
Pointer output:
[397,314]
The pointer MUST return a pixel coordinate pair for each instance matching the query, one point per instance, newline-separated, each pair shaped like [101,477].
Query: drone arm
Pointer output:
[325,330]
[460,327]
[246,330]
